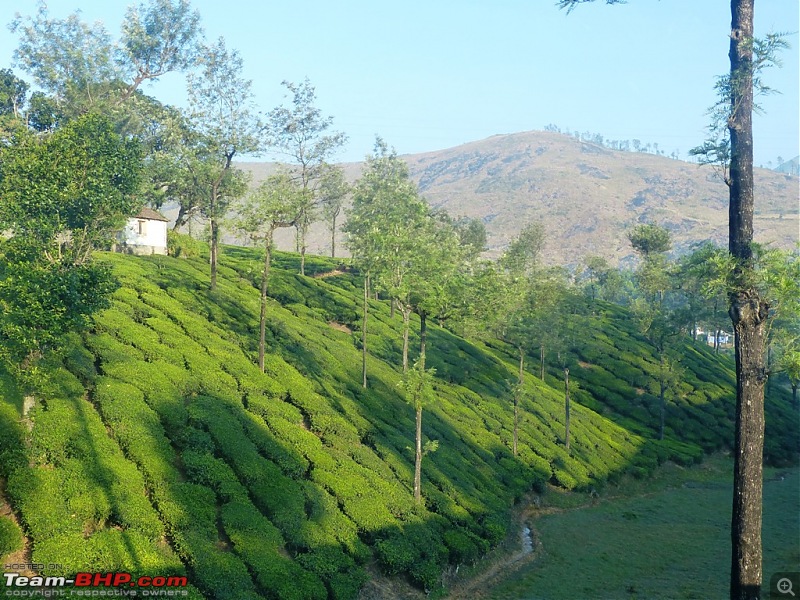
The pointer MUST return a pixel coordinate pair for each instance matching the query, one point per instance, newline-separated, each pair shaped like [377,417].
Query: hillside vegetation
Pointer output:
[587,196]
[158,447]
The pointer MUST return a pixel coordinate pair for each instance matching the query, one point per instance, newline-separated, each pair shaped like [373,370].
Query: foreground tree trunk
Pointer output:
[748,312]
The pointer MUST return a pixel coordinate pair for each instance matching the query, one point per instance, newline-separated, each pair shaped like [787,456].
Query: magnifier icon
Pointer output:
[785,586]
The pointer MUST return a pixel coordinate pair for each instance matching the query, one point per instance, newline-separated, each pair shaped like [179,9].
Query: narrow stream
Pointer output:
[527,540]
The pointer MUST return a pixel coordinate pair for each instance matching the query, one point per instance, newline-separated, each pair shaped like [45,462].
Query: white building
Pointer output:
[146,233]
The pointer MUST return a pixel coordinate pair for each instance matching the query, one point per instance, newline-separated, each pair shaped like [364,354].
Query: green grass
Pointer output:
[665,538]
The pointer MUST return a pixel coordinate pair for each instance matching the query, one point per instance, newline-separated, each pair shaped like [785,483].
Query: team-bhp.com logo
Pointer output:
[101,584]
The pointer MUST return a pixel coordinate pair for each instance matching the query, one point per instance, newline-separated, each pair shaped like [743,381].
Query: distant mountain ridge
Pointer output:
[587,196]
[792,167]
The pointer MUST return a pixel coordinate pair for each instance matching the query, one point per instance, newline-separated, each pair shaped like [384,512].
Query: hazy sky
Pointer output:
[428,75]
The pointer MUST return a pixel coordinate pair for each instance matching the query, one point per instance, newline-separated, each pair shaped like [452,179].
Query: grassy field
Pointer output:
[667,537]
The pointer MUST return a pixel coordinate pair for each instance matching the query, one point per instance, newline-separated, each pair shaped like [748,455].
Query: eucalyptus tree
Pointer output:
[82,68]
[333,190]
[224,123]
[501,302]
[695,273]
[274,204]
[434,286]
[301,133]
[652,311]
[384,224]
[370,226]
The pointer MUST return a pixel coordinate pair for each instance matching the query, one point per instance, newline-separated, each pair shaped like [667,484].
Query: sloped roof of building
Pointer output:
[150,214]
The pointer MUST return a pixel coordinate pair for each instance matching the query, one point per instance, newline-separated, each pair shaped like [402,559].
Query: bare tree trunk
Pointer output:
[406,316]
[541,361]
[302,231]
[516,399]
[566,407]
[264,286]
[423,337]
[333,236]
[364,334]
[746,575]
[748,312]
[214,252]
[662,398]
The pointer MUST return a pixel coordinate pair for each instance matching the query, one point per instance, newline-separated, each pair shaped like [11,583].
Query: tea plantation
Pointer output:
[157,447]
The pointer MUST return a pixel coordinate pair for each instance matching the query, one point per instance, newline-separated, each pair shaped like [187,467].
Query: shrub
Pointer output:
[182,245]
[10,537]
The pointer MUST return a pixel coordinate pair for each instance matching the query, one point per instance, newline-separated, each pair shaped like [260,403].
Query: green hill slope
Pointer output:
[158,447]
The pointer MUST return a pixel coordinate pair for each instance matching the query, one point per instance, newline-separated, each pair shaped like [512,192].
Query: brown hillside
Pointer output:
[586,195]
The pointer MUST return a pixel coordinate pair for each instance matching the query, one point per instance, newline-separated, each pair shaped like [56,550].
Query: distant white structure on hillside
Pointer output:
[146,233]
[721,339]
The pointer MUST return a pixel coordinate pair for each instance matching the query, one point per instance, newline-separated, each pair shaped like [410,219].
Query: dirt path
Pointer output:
[525,550]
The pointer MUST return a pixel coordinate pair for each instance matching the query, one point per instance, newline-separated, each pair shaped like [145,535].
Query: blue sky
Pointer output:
[428,75]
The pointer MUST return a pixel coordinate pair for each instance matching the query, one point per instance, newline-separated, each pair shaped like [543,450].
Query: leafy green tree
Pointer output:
[224,124]
[63,196]
[595,271]
[301,133]
[333,190]
[273,205]
[472,236]
[12,93]
[780,272]
[384,223]
[158,38]
[652,311]
[502,302]
[82,69]
[43,114]
[548,292]
[650,240]
[434,289]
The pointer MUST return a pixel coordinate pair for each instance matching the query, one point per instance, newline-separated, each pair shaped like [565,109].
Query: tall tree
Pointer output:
[652,311]
[158,38]
[225,124]
[384,223]
[501,301]
[333,190]
[301,133]
[273,205]
[433,282]
[63,195]
[80,66]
